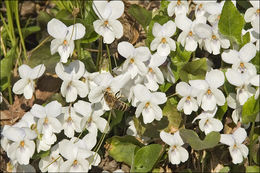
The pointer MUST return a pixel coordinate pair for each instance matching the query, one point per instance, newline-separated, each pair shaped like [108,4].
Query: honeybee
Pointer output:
[114,102]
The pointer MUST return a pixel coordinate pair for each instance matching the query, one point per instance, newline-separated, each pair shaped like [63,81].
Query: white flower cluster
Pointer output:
[138,80]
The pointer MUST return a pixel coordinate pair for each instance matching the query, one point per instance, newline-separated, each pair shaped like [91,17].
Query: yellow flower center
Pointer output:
[218,17]
[179,2]
[147,104]
[75,162]
[46,121]
[200,6]
[174,147]
[258,11]
[188,98]
[209,92]
[214,37]
[106,23]
[163,40]
[190,33]
[65,42]
[150,70]
[108,89]
[22,143]
[132,60]
[242,65]
[69,119]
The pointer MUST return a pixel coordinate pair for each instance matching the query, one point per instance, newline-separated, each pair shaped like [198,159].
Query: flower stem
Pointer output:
[108,54]
[251,143]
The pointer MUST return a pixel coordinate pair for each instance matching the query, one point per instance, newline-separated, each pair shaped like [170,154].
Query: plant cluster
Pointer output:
[174,98]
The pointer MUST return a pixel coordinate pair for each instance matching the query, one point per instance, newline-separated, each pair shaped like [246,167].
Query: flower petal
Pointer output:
[117,8]
[215,78]
[167,138]
[25,71]
[230,56]
[247,52]
[56,28]
[19,86]
[240,135]
[117,28]
[76,31]
[126,49]
[84,108]
[53,109]
[183,89]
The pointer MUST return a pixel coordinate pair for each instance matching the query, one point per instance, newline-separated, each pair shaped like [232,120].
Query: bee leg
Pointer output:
[118,95]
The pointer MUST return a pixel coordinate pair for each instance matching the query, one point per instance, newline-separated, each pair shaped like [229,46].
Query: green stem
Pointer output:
[41,43]
[99,53]
[251,143]
[20,32]
[10,90]
[108,53]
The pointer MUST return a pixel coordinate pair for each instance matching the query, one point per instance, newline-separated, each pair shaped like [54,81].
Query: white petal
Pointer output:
[250,12]
[109,36]
[184,155]
[169,28]
[56,28]
[208,102]
[142,93]
[199,84]
[139,109]
[96,94]
[102,124]
[84,108]
[14,133]
[171,8]
[163,49]
[174,156]
[183,22]
[230,56]
[181,104]
[183,89]
[28,90]
[227,139]
[167,138]
[117,8]
[191,44]
[236,155]
[19,86]
[234,77]
[157,28]
[38,111]
[99,8]
[203,30]
[158,98]
[243,150]
[37,71]
[255,23]
[142,53]
[125,49]
[76,31]
[247,52]
[155,43]
[55,43]
[71,94]
[117,28]
[82,89]
[219,96]
[240,135]
[157,60]
[55,124]
[25,71]
[148,115]
[53,109]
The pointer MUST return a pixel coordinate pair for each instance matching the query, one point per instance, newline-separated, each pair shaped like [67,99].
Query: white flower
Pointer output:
[135,58]
[252,15]
[243,88]
[209,94]
[71,85]
[176,153]
[163,42]
[70,121]
[178,7]
[107,83]
[188,38]
[207,123]
[131,130]
[154,75]
[255,81]
[167,72]
[76,157]
[240,60]
[237,150]
[92,119]
[234,104]
[64,37]
[187,103]
[149,102]
[22,147]
[52,162]
[108,26]
[26,84]
[204,8]
[47,123]
[45,141]
[212,42]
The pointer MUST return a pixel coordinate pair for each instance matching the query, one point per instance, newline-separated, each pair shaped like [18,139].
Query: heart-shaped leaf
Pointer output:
[250,110]
[146,158]
[192,138]
[122,149]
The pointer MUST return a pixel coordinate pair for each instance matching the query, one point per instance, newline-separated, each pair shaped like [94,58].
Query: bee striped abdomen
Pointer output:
[114,103]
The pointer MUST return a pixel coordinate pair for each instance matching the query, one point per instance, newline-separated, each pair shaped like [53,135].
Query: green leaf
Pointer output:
[117,119]
[141,15]
[256,61]
[174,117]
[41,154]
[146,158]
[252,169]
[225,169]
[250,110]
[245,39]
[221,111]
[231,22]
[192,138]
[164,87]
[86,58]
[122,149]
[6,65]
[43,56]
[194,70]
[30,30]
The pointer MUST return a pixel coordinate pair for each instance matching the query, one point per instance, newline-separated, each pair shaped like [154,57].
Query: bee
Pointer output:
[114,102]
